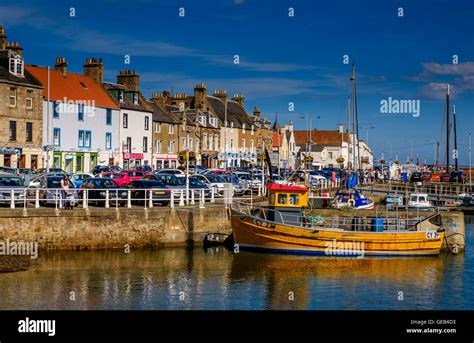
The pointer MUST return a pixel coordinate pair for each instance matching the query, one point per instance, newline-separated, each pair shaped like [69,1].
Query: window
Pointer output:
[56,105]
[210,143]
[158,127]
[196,146]
[120,96]
[29,99]
[29,132]
[145,144]
[243,145]
[294,199]
[125,120]
[147,123]
[251,129]
[170,129]
[231,144]
[251,146]
[88,139]
[216,142]
[205,142]
[129,144]
[12,97]
[157,146]
[135,98]
[108,117]
[213,121]
[243,128]
[282,199]
[185,146]
[12,130]
[190,144]
[202,120]
[80,112]
[171,147]
[56,136]
[108,141]
[16,65]
[80,139]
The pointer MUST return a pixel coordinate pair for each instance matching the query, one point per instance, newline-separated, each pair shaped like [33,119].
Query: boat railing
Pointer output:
[346,223]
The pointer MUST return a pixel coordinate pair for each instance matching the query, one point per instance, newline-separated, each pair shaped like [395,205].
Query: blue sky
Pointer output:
[282,59]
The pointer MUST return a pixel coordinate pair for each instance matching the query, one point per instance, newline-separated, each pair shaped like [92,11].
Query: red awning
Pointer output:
[279,187]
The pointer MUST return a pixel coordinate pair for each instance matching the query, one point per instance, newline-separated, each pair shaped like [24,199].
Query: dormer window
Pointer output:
[120,96]
[135,98]
[243,128]
[202,120]
[17,66]
[213,121]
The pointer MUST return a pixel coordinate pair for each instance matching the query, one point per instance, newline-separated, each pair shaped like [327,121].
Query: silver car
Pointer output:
[11,184]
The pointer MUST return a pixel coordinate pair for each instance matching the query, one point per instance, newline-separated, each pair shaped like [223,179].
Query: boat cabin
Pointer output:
[286,203]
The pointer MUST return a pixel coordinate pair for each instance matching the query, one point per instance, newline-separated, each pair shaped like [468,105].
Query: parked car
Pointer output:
[79,177]
[9,183]
[35,181]
[97,191]
[278,179]
[177,172]
[51,170]
[105,169]
[26,174]
[50,190]
[8,170]
[239,188]
[139,188]
[178,184]
[215,182]
[136,174]
[145,167]
[121,178]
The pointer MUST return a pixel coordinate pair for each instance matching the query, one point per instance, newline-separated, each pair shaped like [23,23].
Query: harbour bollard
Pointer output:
[212,197]
[172,199]
[84,199]
[37,199]
[192,197]
[201,201]
[151,199]
[107,199]
[25,194]
[60,199]
[129,198]
[181,198]
[56,199]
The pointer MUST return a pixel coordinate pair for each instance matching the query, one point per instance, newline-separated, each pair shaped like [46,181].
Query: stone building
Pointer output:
[21,110]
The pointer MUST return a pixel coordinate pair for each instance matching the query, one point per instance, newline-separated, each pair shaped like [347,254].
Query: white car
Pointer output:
[176,172]
[215,182]
[278,180]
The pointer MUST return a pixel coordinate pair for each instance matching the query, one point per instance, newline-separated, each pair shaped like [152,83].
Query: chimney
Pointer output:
[61,65]
[159,98]
[221,94]
[3,38]
[94,69]
[15,47]
[256,112]
[200,97]
[129,80]
[341,128]
[239,98]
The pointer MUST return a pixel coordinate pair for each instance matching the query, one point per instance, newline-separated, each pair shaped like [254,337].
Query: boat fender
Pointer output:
[264,224]
[351,202]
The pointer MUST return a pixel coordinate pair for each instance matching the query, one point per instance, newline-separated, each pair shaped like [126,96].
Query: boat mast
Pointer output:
[447,131]
[355,117]
[348,132]
[470,163]
[455,140]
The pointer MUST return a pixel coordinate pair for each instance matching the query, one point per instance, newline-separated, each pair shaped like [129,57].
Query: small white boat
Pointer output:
[419,200]
[352,199]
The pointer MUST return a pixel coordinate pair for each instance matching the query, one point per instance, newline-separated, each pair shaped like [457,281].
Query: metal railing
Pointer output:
[25,198]
[273,216]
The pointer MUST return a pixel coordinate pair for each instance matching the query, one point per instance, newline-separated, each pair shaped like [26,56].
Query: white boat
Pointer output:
[419,200]
[352,199]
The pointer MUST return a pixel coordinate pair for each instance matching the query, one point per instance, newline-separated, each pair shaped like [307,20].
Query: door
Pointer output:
[22,161]
[79,162]
[93,161]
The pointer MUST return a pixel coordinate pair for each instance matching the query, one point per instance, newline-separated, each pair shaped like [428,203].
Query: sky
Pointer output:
[294,57]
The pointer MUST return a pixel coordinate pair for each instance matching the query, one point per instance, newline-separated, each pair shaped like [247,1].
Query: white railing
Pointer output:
[28,198]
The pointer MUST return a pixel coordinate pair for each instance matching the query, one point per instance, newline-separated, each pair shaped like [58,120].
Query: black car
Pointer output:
[138,189]
[97,192]
[416,177]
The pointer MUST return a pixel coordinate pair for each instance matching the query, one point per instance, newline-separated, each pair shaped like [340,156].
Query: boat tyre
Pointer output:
[351,202]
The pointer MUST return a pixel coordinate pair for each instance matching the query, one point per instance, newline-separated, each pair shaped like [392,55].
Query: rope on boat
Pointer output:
[315,219]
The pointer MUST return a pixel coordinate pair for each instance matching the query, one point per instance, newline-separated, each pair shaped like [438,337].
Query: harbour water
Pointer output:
[217,279]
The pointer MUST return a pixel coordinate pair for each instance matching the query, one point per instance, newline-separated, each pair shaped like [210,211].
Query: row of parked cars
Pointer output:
[114,183]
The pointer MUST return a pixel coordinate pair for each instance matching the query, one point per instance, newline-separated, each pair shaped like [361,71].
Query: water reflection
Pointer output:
[218,279]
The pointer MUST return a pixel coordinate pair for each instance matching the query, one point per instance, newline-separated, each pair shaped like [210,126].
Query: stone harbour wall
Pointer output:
[111,228]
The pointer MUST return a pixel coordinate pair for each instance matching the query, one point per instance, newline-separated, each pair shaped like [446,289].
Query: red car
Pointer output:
[121,178]
[136,174]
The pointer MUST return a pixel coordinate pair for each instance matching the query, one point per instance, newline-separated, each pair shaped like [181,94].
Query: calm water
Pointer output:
[218,279]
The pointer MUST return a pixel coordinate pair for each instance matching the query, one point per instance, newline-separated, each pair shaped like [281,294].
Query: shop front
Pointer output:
[20,157]
[131,160]
[163,161]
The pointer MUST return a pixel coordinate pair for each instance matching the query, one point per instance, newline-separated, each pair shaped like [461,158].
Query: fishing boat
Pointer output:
[284,226]
[419,201]
[352,199]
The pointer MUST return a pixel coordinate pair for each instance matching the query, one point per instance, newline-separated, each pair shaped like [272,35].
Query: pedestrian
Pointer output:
[64,191]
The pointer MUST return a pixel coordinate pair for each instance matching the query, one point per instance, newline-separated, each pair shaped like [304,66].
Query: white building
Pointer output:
[80,120]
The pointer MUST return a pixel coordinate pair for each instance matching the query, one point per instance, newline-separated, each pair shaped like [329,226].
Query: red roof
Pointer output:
[279,187]
[276,139]
[323,137]
[73,87]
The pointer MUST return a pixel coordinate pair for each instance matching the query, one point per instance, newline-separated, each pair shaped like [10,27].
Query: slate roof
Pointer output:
[161,116]
[127,104]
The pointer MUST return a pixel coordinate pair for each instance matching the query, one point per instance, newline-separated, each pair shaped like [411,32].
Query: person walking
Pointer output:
[64,190]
